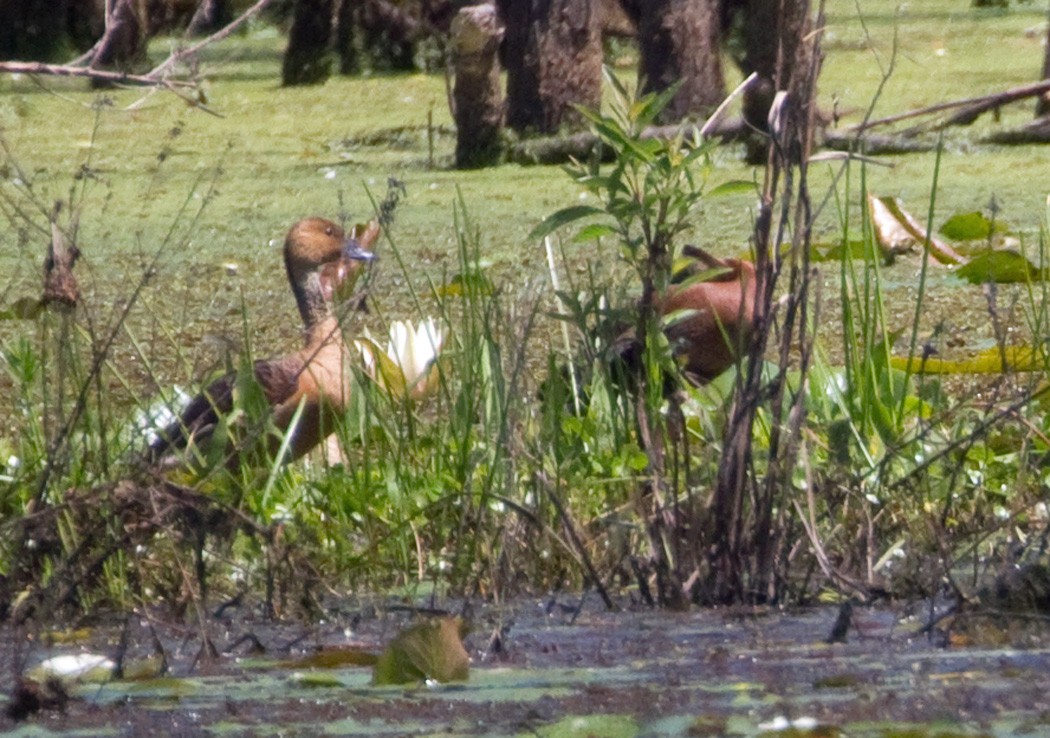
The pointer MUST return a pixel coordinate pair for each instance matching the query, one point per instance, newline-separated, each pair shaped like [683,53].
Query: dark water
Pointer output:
[699,673]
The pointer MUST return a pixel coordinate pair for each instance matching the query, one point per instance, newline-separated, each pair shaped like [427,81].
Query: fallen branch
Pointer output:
[177,56]
[974,106]
[64,70]
[1033,132]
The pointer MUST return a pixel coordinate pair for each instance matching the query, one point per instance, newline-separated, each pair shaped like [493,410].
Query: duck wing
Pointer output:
[278,380]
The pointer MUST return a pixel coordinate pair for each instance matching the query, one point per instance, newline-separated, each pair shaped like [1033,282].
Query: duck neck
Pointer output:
[309,296]
[323,333]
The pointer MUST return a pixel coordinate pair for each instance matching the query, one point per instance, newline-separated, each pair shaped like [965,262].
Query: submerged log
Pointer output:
[1033,132]
[874,145]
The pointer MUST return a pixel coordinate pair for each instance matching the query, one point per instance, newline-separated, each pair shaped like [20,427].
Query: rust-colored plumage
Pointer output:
[718,317]
[708,322]
[319,258]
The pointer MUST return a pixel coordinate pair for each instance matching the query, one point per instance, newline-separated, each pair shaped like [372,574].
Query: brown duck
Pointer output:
[319,259]
[719,317]
[716,318]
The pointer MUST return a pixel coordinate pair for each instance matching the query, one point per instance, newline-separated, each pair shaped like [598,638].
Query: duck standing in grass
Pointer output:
[308,387]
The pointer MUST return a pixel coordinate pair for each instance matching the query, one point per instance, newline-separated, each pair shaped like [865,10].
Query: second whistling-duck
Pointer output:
[708,323]
[319,258]
[718,315]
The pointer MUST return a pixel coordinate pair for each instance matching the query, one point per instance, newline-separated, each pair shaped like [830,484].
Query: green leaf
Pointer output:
[561,218]
[732,187]
[999,266]
[967,227]
[429,650]
[593,232]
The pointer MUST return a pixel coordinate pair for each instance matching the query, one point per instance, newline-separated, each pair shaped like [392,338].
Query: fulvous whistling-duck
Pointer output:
[718,317]
[319,258]
[715,317]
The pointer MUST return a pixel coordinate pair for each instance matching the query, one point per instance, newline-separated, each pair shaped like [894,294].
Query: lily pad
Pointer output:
[1002,266]
[967,227]
[431,650]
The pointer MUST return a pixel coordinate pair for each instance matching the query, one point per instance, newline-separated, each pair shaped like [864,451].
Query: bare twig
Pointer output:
[179,55]
[973,106]
[65,70]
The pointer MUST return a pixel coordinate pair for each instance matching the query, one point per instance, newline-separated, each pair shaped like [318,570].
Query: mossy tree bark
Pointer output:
[123,46]
[476,35]
[680,42]
[553,55]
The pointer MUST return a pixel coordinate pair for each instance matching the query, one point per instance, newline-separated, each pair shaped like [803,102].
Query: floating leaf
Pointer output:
[431,650]
[835,252]
[315,680]
[890,233]
[1000,266]
[333,658]
[74,667]
[460,284]
[897,231]
[967,227]
[989,361]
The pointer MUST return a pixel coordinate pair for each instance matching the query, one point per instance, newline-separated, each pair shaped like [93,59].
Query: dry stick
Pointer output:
[177,56]
[977,106]
[720,110]
[570,529]
[64,70]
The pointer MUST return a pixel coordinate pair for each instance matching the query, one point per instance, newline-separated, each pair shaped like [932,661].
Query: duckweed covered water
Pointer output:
[735,673]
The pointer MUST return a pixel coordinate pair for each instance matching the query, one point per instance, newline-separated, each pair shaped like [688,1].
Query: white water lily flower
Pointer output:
[405,366]
[74,667]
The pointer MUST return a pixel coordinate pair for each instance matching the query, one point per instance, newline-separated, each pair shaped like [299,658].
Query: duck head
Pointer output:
[339,278]
[313,251]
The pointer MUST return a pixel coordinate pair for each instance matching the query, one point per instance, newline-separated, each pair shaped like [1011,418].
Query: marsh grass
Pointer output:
[494,485]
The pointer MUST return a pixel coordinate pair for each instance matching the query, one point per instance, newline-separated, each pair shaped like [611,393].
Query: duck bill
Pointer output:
[352,249]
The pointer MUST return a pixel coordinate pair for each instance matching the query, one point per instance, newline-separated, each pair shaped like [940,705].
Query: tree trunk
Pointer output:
[553,55]
[476,35]
[85,22]
[307,60]
[1042,105]
[680,41]
[211,15]
[123,47]
[33,30]
[389,33]
[769,35]
[345,44]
